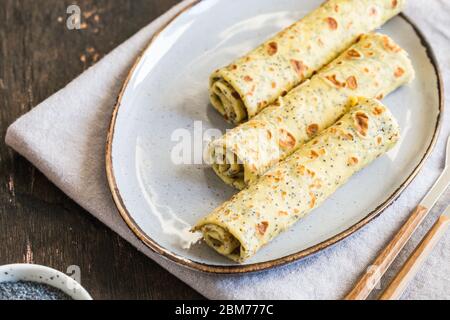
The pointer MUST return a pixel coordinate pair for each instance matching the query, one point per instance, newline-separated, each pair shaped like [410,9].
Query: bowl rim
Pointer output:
[35,270]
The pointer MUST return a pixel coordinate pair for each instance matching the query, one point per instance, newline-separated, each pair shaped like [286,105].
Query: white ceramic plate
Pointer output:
[167,90]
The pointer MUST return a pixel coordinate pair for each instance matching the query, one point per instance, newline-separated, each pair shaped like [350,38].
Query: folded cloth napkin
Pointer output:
[64,137]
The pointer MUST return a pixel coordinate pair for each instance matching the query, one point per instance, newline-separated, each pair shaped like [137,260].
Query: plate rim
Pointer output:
[261,266]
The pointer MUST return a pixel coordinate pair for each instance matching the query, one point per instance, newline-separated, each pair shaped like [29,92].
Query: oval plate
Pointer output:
[165,100]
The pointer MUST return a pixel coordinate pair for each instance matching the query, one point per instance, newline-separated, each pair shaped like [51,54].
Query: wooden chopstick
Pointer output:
[369,280]
[417,259]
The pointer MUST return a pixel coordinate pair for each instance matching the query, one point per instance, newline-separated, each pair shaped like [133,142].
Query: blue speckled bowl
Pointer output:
[44,275]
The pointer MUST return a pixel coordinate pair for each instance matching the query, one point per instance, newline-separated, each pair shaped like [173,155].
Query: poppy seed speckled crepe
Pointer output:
[372,68]
[295,187]
[249,84]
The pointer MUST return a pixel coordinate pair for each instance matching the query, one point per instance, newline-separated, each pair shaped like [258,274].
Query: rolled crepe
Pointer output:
[373,67]
[248,85]
[295,187]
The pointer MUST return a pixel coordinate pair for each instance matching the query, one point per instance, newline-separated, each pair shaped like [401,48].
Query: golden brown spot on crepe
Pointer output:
[284,93]
[310,173]
[274,85]
[373,12]
[269,134]
[316,185]
[377,111]
[301,170]
[283,213]
[299,67]
[353,53]
[255,124]
[332,23]
[379,140]
[389,45]
[336,8]
[399,72]
[313,154]
[234,67]
[353,161]
[248,78]
[262,227]
[380,96]
[312,129]
[352,83]
[362,123]
[312,203]
[273,177]
[276,180]
[287,140]
[272,48]
[366,70]
[334,81]
[347,136]
[394,3]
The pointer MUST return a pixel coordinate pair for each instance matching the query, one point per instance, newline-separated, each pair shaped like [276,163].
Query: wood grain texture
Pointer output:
[385,259]
[38,223]
[415,262]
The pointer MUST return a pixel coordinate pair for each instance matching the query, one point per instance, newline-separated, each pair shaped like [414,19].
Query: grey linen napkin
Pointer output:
[64,137]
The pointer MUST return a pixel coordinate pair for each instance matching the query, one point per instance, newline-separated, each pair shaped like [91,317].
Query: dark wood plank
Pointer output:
[38,223]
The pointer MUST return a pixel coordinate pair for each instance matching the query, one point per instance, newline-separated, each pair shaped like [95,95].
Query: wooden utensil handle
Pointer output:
[415,262]
[370,279]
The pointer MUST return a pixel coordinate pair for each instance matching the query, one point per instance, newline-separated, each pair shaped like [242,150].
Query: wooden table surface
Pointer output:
[38,223]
